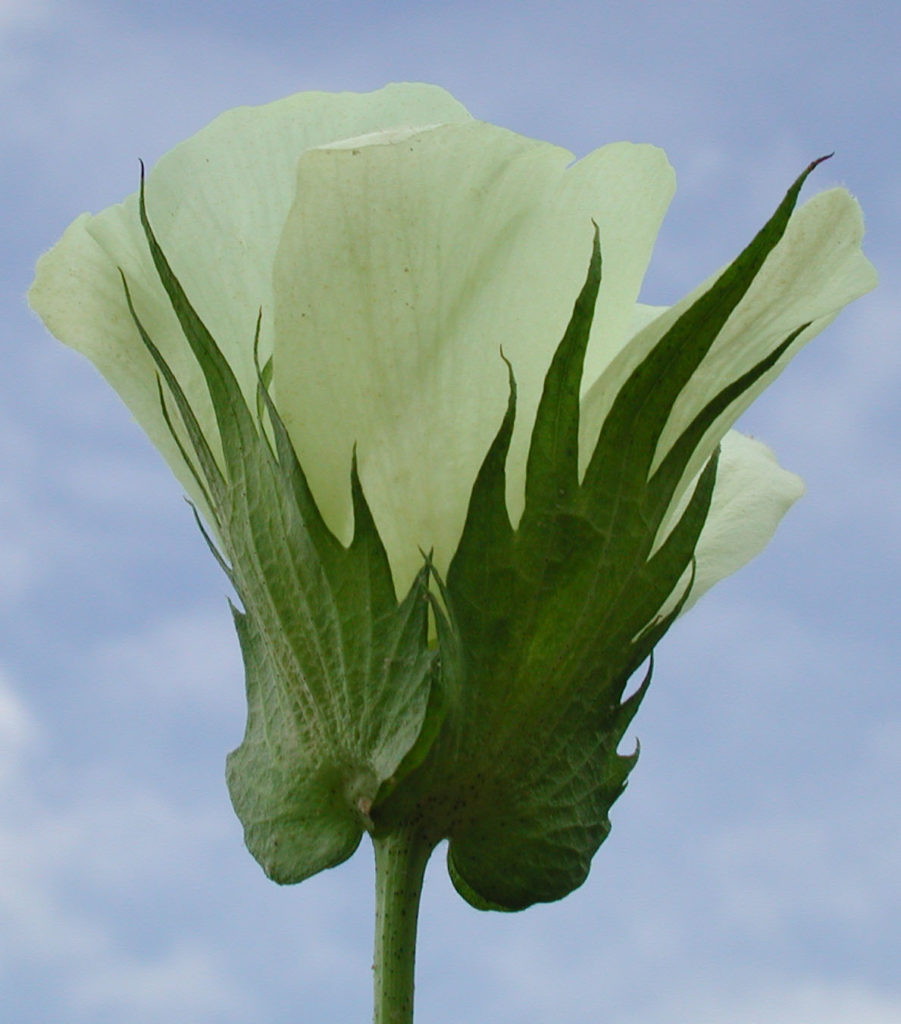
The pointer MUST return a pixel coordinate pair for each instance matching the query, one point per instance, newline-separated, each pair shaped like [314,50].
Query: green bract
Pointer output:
[461,481]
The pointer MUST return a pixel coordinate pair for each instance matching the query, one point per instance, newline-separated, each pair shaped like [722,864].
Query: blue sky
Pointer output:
[752,872]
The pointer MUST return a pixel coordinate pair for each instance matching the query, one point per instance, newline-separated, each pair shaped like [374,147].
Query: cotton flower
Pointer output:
[381,280]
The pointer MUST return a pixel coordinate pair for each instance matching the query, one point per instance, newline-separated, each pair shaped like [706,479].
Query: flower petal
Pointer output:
[816,269]
[218,203]
[406,264]
[751,495]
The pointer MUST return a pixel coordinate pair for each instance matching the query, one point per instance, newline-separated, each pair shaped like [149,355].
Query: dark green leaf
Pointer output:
[339,672]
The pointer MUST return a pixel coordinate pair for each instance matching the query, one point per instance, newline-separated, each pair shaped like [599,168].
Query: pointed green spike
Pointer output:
[208,463]
[666,478]
[487,532]
[629,435]
[214,551]
[189,462]
[232,415]
[488,502]
[366,535]
[630,705]
[657,578]
[552,469]
[293,475]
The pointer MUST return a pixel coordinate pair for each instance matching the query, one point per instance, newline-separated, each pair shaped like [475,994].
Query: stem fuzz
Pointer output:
[400,860]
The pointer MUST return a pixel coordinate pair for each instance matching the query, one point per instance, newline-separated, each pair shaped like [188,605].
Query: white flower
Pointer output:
[391,265]
[333,274]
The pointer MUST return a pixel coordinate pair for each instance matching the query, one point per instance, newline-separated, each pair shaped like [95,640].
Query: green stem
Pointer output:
[400,860]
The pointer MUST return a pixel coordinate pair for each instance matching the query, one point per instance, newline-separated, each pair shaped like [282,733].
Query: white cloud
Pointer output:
[183,983]
[18,730]
[29,909]
[70,488]
[17,13]
[772,1001]
[586,966]
[105,839]
[21,521]
[18,18]
[148,88]
[187,657]
[81,858]
[774,873]
[784,759]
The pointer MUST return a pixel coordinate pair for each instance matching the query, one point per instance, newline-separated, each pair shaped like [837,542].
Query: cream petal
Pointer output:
[752,494]
[78,294]
[405,265]
[816,269]
[218,202]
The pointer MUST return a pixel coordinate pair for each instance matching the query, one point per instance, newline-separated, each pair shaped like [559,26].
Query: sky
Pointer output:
[751,876]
